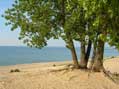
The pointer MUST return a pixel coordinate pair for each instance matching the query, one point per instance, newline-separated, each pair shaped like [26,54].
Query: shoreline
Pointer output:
[110,61]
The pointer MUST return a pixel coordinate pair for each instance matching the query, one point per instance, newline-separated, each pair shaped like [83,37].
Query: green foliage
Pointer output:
[40,20]
[36,19]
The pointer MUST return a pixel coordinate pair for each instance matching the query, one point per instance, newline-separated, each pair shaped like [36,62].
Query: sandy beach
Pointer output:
[46,76]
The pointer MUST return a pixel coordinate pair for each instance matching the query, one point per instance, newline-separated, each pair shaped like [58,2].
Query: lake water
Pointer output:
[20,55]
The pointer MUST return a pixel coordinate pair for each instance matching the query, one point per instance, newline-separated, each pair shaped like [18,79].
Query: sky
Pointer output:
[10,38]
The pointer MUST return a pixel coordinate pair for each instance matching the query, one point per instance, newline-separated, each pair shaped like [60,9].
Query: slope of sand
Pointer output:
[45,76]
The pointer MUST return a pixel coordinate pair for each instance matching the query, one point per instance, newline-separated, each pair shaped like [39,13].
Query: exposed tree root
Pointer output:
[109,75]
[71,67]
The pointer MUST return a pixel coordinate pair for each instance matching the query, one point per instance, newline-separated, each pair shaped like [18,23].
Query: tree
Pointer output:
[76,24]
[113,38]
[104,11]
[39,21]
[67,36]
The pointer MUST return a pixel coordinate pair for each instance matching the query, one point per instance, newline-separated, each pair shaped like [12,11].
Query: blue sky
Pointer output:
[10,38]
[7,37]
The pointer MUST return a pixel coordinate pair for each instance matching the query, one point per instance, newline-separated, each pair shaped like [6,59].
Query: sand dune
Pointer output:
[41,76]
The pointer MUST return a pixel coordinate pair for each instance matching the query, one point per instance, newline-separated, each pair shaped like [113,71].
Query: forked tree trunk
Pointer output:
[74,55]
[85,55]
[98,61]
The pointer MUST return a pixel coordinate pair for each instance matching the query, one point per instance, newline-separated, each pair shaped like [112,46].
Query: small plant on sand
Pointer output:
[11,70]
[15,70]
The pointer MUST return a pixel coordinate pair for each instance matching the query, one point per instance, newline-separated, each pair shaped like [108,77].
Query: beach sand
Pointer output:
[46,76]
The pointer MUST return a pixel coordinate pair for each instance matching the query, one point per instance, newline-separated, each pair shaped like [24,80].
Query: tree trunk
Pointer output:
[98,61]
[85,56]
[88,51]
[83,64]
[74,55]
[93,57]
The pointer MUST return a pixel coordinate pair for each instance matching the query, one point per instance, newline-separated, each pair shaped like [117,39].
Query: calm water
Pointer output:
[20,55]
